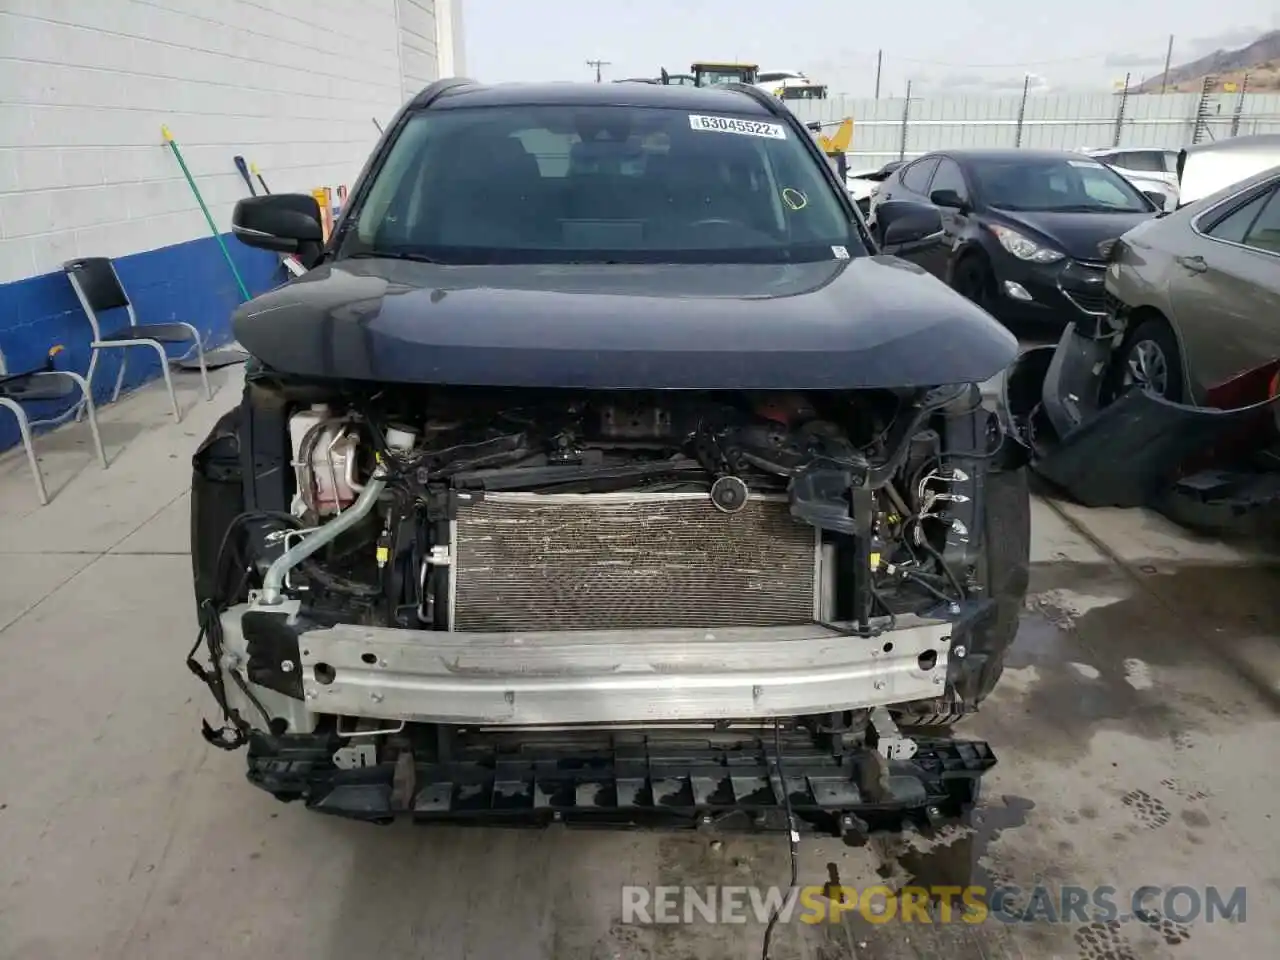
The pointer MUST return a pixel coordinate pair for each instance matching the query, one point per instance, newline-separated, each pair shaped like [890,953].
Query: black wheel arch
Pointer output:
[969,248]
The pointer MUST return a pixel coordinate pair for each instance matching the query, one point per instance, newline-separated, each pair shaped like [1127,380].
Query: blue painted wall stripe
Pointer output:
[187,281]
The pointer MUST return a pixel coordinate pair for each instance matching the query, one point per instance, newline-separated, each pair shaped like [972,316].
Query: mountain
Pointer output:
[1260,60]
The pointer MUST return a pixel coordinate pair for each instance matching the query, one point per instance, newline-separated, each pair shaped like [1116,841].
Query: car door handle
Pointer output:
[1194,264]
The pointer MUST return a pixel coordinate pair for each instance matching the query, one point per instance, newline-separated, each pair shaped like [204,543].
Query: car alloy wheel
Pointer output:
[1147,367]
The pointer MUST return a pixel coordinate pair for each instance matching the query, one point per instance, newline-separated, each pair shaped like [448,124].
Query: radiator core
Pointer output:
[527,561]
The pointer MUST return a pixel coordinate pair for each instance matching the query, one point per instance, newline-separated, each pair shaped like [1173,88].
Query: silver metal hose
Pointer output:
[272,583]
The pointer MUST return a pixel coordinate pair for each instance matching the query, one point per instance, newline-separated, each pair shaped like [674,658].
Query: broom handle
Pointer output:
[173,145]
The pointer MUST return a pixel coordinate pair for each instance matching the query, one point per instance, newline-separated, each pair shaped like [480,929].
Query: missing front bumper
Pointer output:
[596,677]
[645,781]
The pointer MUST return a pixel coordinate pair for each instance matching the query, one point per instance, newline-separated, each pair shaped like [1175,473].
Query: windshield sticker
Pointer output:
[840,253]
[794,199]
[750,128]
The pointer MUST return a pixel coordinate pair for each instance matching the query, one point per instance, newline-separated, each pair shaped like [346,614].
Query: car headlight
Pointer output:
[1024,248]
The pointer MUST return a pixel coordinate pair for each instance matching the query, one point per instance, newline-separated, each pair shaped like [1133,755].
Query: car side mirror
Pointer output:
[906,226]
[949,199]
[283,222]
[1159,199]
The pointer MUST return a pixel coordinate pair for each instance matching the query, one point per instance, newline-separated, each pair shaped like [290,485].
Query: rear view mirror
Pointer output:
[906,226]
[283,222]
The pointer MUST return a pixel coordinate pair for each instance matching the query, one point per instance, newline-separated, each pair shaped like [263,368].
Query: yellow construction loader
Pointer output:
[710,73]
[835,145]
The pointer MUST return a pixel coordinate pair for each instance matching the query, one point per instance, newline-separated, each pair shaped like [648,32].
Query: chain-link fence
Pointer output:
[902,127]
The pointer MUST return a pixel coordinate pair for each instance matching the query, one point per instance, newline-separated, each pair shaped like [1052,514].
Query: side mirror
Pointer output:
[947,198]
[1159,199]
[283,222]
[906,226]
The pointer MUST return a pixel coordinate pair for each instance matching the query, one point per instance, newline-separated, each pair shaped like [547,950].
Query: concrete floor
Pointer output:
[1135,735]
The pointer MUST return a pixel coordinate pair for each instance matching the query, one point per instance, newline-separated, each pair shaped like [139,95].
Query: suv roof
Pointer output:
[737,98]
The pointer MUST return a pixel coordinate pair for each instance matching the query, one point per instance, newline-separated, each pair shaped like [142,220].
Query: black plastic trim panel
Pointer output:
[649,783]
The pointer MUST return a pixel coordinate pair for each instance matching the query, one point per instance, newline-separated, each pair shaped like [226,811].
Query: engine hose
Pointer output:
[273,582]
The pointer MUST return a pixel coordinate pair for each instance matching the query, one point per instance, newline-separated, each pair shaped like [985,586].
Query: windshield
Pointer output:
[716,76]
[812,92]
[569,184]
[1053,184]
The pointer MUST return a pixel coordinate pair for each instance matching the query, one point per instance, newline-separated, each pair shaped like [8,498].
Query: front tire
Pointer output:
[1151,360]
[972,278]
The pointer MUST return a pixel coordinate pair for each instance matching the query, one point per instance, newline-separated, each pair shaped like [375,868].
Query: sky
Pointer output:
[940,45]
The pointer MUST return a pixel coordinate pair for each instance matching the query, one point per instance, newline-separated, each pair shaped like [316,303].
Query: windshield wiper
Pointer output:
[390,255]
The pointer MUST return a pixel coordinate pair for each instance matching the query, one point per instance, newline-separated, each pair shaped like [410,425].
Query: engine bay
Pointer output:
[869,475]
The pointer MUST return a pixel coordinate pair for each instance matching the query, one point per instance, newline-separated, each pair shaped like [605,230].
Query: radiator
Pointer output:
[527,561]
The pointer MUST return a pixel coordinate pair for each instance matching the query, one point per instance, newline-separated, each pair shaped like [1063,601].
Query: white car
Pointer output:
[864,184]
[1152,170]
[1209,167]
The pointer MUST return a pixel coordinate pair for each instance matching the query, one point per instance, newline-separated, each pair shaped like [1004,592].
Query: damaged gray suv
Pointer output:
[601,467]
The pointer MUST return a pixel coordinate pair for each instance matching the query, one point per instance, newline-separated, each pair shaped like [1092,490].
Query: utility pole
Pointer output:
[879,62]
[598,64]
[1168,59]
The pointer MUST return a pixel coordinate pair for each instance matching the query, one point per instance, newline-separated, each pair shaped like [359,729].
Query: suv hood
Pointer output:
[1078,235]
[868,322]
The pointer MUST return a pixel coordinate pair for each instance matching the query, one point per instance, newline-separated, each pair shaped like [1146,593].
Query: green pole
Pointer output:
[168,138]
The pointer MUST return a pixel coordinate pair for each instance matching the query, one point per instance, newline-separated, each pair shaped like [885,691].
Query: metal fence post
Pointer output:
[906,119]
[1235,114]
[1124,100]
[1202,109]
[1022,111]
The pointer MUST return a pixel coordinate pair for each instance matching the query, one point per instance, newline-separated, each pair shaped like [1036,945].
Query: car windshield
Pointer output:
[718,76]
[1053,184]
[593,184]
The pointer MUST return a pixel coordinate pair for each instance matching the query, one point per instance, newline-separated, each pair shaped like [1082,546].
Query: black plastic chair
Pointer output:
[45,383]
[98,288]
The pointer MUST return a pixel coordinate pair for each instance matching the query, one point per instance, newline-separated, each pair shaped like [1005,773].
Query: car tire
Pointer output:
[972,278]
[1005,577]
[1151,345]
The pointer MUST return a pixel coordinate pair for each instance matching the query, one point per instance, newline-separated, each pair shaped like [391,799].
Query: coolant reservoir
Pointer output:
[321,482]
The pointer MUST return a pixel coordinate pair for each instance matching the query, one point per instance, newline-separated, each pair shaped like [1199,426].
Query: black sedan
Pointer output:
[1027,231]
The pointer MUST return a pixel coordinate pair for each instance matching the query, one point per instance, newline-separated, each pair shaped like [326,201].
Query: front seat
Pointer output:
[488,195]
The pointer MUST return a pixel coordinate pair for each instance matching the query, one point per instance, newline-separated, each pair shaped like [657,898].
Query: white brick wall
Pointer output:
[419,56]
[86,84]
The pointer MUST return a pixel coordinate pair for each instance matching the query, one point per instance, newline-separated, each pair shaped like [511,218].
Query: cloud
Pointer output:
[1227,40]
[980,83]
[1133,60]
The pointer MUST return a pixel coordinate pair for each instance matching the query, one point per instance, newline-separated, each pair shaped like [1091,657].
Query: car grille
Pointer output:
[1093,303]
[525,561]
[1081,284]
